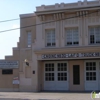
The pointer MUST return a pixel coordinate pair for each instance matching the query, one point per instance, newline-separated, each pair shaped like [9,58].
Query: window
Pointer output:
[90,71]
[50,38]
[94,33]
[71,37]
[62,71]
[7,71]
[49,72]
[29,41]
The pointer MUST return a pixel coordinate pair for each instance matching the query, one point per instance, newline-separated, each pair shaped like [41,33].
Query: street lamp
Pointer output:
[27,62]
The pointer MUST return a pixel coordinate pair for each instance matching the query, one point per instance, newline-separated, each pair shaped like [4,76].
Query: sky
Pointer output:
[11,9]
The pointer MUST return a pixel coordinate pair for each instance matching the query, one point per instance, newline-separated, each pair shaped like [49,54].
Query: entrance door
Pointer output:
[99,76]
[76,75]
[62,76]
[56,76]
[49,77]
[91,75]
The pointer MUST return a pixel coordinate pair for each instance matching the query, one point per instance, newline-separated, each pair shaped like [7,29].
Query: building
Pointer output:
[62,44]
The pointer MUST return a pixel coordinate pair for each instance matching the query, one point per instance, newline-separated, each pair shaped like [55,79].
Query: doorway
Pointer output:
[76,74]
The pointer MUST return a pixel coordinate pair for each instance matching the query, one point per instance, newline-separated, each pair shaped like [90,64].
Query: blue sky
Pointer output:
[10,9]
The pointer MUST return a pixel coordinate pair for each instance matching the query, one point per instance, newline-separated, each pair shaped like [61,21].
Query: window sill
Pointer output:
[50,46]
[94,44]
[71,45]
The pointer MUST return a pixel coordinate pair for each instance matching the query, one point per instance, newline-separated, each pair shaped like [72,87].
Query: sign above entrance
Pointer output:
[8,64]
[71,55]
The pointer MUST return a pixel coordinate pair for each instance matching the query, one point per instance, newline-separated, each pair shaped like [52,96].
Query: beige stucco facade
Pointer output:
[59,17]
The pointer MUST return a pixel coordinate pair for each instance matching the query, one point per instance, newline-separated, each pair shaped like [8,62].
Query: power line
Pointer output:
[35,16]
[47,22]
[15,19]
[9,20]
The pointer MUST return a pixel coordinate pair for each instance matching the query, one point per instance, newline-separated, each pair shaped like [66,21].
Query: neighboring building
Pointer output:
[63,52]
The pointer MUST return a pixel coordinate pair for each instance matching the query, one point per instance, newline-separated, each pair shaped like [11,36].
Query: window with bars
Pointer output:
[50,38]
[29,39]
[71,36]
[94,35]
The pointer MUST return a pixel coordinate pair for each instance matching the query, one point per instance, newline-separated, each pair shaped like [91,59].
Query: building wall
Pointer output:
[20,53]
[82,84]
[30,81]
[25,52]
[6,83]
[82,23]
[72,87]
[35,81]
[41,75]
[27,20]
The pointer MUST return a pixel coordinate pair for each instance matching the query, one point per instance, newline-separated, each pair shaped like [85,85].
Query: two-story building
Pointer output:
[62,44]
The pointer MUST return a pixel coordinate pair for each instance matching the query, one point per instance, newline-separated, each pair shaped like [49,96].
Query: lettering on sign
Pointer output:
[71,55]
[15,80]
[8,64]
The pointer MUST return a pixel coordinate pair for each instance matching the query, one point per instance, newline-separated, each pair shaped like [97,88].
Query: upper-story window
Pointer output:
[94,35]
[50,38]
[71,37]
[29,39]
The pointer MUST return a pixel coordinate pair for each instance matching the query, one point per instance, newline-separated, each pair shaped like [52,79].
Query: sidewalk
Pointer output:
[44,96]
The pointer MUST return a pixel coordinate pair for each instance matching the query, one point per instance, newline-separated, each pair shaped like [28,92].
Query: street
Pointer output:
[44,96]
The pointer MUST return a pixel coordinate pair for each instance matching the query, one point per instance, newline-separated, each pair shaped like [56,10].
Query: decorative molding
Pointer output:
[58,16]
[82,13]
[56,30]
[75,5]
[55,16]
[80,28]
[63,31]
[63,15]
[42,17]
[86,26]
[43,31]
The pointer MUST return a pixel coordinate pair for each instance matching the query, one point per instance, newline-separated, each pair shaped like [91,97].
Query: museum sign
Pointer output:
[71,55]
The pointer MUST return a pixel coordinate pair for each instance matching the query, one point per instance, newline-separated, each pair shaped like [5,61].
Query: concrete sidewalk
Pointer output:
[44,96]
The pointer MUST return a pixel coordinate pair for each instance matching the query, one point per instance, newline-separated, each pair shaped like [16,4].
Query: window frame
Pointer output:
[72,29]
[49,78]
[90,61]
[51,37]
[93,34]
[62,74]
[29,39]
[7,73]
